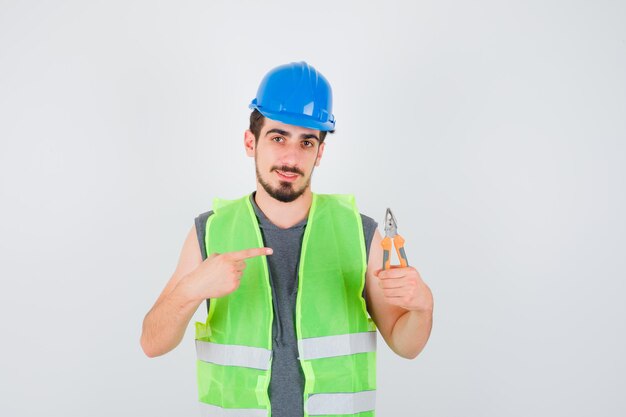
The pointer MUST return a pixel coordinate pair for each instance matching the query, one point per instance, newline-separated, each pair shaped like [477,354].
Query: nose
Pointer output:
[290,155]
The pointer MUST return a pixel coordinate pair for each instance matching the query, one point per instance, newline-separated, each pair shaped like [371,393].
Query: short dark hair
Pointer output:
[256,124]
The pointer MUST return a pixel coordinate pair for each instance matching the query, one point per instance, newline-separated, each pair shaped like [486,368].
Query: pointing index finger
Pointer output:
[250,253]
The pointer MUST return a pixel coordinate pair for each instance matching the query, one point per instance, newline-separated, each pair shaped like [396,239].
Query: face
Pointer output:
[285,157]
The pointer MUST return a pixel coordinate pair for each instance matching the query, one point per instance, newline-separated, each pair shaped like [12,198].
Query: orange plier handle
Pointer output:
[398,242]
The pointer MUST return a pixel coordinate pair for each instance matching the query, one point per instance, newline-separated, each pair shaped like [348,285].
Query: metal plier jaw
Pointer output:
[391,232]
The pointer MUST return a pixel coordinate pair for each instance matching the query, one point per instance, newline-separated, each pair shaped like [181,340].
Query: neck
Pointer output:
[283,215]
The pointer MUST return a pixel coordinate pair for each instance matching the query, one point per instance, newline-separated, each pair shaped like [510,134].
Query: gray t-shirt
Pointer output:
[287,380]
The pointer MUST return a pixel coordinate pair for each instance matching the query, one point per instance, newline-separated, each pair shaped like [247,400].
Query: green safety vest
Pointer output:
[336,336]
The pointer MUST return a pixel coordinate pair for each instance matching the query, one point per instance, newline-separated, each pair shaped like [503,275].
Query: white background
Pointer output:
[495,130]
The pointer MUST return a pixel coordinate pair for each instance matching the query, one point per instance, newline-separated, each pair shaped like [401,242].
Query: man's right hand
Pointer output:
[219,274]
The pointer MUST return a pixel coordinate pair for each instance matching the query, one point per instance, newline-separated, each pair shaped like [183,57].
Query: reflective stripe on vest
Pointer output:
[233,355]
[341,403]
[208,410]
[339,345]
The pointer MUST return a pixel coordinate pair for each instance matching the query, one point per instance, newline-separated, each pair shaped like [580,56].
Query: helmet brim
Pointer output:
[296,119]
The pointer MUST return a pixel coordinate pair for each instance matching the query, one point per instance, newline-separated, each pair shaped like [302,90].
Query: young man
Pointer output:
[293,279]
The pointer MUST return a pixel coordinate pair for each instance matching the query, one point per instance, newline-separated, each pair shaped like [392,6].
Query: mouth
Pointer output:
[286,176]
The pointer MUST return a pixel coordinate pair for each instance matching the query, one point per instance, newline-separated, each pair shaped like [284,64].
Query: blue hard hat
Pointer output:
[296,94]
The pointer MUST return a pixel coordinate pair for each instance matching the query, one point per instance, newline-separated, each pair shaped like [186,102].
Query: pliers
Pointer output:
[391,232]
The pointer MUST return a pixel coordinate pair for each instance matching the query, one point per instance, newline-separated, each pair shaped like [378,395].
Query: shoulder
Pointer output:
[369,226]
[368,222]
[202,218]
[369,229]
[200,223]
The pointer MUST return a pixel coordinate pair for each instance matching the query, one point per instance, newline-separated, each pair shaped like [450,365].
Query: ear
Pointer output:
[249,142]
[320,151]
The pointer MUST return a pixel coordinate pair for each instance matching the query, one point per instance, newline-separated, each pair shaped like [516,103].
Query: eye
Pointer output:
[278,139]
[307,143]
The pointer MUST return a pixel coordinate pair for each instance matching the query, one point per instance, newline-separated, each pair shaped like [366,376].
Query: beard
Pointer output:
[285,192]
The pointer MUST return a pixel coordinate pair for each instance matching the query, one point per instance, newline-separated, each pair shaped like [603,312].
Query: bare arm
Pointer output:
[400,304]
[193,282]
[164,325]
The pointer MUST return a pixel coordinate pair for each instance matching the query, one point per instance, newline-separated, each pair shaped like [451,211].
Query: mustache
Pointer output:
[286,168]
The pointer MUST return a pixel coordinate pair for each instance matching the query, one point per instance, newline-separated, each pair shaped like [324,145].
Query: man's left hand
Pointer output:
[404,287]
